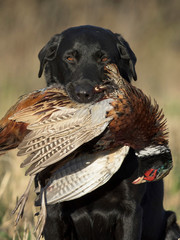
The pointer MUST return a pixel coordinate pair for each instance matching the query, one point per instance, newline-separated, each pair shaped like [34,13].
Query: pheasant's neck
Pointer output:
[153,150]
[138,133]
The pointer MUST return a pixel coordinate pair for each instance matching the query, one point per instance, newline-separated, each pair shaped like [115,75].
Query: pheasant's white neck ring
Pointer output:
[153,150]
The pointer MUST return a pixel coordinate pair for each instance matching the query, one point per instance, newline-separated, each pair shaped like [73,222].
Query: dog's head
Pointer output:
[75,59]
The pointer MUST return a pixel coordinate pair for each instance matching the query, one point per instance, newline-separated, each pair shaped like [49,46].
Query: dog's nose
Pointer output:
[84,92]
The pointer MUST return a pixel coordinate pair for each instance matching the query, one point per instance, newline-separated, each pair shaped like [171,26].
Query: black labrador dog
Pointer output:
[75,59]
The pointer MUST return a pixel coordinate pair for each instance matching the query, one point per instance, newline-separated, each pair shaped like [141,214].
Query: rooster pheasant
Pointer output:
[50,128]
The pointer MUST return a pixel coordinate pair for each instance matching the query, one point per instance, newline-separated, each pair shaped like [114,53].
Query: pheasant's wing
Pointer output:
[29,108]
[39,105]
[83,174]
[60,134]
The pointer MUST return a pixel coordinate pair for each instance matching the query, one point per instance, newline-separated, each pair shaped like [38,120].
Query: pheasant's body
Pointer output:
[50,128]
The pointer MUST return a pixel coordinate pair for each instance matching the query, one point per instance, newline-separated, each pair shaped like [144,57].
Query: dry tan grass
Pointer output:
[28,25]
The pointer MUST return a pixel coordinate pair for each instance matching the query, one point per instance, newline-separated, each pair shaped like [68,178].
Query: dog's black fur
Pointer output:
[118,210]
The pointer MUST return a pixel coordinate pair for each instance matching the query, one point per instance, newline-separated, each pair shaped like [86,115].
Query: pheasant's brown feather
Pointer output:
[135,117]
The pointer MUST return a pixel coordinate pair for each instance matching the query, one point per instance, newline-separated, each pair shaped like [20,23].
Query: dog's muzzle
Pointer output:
[83,92]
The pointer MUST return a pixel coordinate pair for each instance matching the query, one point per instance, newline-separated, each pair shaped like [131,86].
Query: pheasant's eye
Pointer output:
[104,59]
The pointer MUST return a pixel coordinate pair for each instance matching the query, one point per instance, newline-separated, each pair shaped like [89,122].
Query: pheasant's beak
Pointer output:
[139,180]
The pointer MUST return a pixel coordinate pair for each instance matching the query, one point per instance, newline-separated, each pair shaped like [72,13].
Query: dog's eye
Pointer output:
[104,59]
[70,59]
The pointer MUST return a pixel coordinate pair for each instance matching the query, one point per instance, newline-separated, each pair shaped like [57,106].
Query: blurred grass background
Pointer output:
[153,30]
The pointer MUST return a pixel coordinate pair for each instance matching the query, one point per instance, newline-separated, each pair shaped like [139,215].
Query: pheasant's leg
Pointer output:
[22,201]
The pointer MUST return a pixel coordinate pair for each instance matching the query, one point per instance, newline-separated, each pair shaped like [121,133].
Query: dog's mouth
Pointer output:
[86,91]
[84,96]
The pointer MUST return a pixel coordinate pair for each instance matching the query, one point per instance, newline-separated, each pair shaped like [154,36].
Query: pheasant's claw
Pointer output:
[107,86]
[111,72]
[100,88]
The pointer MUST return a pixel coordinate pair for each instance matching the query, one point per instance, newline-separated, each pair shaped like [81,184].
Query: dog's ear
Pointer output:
[128,58]
[49,52]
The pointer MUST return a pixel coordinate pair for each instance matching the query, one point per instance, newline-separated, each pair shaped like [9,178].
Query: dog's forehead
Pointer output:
[85,46]
[84,39]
